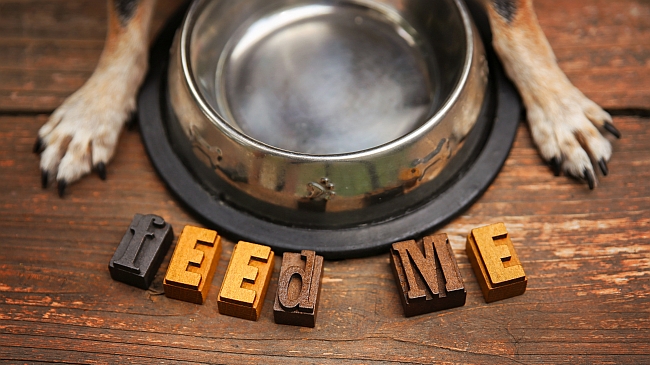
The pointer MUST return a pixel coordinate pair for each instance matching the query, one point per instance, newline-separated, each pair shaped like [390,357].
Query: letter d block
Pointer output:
[495,263]
[192,266]
[141,251]
[246,281]
[298,289]
[428,281]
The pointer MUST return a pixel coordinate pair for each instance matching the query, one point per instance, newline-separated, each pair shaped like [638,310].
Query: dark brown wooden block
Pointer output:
[296,302]
[247,278]
[193,264]
[495,263]
[427,275]
[141,251]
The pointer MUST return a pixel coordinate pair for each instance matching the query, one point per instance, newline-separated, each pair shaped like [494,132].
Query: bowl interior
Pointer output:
[327,77]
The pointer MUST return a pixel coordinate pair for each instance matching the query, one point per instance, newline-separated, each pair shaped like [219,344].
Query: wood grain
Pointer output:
[51,47]
[589,248]
[603,46]
[586,253]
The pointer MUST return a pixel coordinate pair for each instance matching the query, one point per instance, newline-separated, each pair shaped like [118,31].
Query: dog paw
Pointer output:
[81,135]
[566,127]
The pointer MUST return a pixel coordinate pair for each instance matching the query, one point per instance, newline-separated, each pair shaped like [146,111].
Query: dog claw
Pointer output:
[556,166]
[132,121]
[61,187]
[44,179]
[611,129]
[39,146]
[603,167]
[589,176]
[101,170]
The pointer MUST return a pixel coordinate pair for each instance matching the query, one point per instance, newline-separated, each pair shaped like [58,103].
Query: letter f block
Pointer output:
[141,250]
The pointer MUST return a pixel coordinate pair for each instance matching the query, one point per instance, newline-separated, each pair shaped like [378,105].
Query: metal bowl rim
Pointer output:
[243,139]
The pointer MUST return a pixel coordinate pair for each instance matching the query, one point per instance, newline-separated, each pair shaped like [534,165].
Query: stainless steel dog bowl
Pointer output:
[348,203]
[325,114]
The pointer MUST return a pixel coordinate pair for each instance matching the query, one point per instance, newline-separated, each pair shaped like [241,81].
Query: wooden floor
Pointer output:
[586,253]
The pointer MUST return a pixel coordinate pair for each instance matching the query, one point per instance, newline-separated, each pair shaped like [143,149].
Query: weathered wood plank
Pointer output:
[603,46]
[585,253]
[51,47]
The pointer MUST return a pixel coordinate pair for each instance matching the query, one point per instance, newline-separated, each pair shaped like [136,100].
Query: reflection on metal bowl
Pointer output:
[325,114]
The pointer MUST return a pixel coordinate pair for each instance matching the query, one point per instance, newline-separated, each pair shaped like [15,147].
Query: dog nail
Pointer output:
[44,178]
[589,176]
[555,165]
[61,186]
[132,121]
[603,166]
[39,146]
[101,170]
[611,129]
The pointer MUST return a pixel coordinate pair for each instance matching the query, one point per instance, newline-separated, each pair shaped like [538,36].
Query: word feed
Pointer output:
[495,263]
[141,251]
[299,286]
[246,281]
[193,264]
[427,275]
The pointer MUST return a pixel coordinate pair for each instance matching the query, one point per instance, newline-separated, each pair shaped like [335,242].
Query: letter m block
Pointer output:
[427,275]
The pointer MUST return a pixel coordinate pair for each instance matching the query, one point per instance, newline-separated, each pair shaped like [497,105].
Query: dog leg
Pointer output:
[563,122]
[82,133]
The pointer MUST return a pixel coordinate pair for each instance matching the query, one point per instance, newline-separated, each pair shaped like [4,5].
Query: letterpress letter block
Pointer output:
[427,282]
[495,263]
[141,250]
[246,280]
[298,289]
[192,266]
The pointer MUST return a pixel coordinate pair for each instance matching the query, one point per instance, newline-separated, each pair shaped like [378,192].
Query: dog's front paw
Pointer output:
[565,126]
[82,133]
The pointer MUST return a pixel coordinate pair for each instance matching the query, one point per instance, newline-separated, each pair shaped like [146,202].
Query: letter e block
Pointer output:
[427,275]
[141,251]
[246,281]
[298,289]
[193,264]
[495,263]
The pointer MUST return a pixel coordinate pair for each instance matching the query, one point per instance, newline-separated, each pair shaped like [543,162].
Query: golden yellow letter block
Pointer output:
[192,266]
[495,263]
[246,280]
